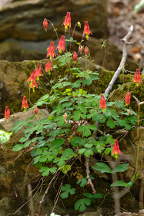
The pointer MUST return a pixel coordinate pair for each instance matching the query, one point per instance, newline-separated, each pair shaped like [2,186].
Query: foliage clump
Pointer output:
[82,125]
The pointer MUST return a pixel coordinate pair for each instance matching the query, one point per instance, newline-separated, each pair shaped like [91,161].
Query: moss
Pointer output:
[21,71]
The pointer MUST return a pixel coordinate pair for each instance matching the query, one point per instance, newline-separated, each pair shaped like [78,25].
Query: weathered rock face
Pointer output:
[22,21]
[13,85]
[13,75]
[17,174]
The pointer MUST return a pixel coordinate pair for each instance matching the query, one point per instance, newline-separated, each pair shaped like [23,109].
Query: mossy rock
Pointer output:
[14,75]
[137,91]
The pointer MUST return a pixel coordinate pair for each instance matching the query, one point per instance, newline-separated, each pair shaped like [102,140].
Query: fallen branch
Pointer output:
[122,63]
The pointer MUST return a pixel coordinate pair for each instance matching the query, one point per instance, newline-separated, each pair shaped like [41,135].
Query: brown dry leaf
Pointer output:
[116,11]
[135,49]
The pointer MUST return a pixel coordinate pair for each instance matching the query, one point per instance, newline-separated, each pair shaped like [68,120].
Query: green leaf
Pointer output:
[76,115]
[58,142]
[121,184]
[18,147]
[68,154]
[110,123]
[45,171]
[65,59]
[67,191]
[60,85]
[121,168]
[84,129]
[82,150]
[82,182]
[43,100]
[88,152]
[65,168]
[102,167]
[82,204]
[76,141]
[4,136]
[93,196]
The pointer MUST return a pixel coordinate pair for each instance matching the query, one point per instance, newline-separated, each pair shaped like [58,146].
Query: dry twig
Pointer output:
[122,63]
[89,181]
[30,196]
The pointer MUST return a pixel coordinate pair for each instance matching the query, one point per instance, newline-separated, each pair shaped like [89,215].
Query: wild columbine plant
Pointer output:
[86,51]
[48,66]
[137,76]
[51,50]
[61,44]
[80,126]
[75,56]
[7,112]
[87,30]
[25,103]
[67,21]
[102,103]
[45,24]
[128,98]
[115,149]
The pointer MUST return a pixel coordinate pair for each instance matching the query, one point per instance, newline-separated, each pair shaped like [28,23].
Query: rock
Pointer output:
[22,21]
[96,213]
[13,50]
[4,2]
[17,171]
[20,116]
[13,78]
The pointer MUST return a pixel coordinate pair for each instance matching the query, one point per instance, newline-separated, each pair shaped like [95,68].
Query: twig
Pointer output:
[46,191]
[89,181]
[57,197]
[30,196]
[14,213]
[141,194]
[116,196]
[122,63]
[123,192]
[136,99]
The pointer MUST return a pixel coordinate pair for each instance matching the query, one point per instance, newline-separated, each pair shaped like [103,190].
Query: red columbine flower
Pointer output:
[128,98]
[33,84]
[67,21]
[116,150]
[75,56]
[32,77]
[86,50]
[45,24]
[51,50]
[38,72]
[137,76]
[24,103]
[87,30]
[48,66]
[7,112]
[80,49]
[36,110]
[102,104]
[61,44]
